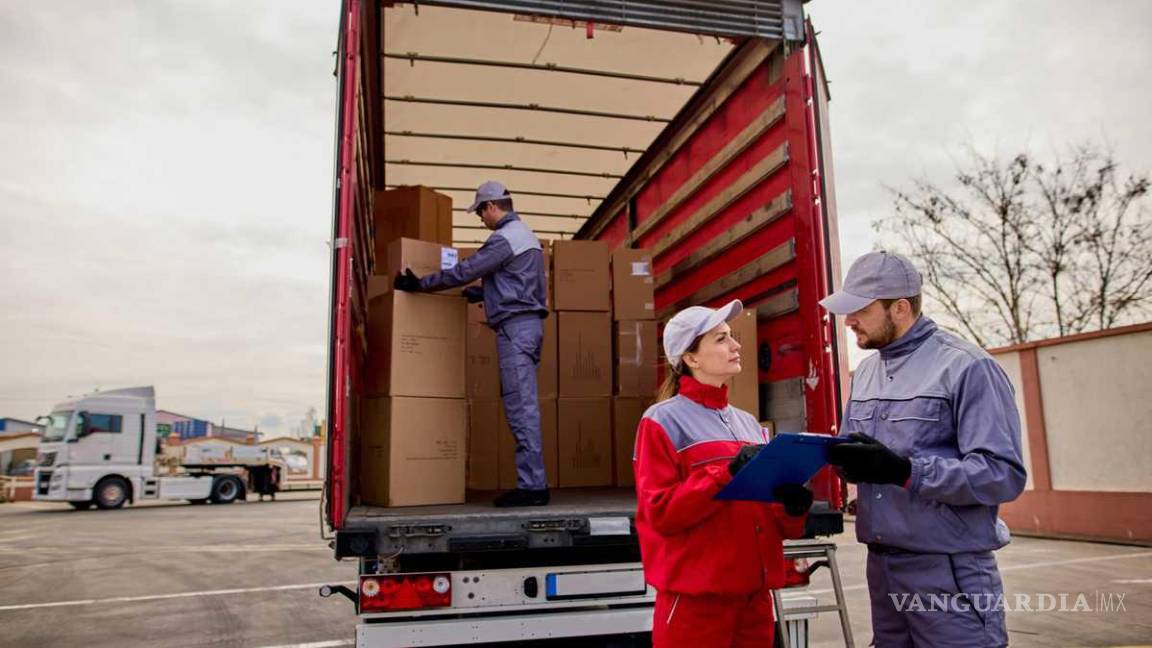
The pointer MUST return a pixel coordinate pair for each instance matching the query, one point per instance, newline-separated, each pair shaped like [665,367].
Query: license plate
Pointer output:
[594,584]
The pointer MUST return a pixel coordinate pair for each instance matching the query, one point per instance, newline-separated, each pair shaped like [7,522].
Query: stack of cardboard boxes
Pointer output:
[413,417]
[432,420]
[637,353]
[584,318]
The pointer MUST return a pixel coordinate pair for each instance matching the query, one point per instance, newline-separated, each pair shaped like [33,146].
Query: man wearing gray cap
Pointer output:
[511,267]
[936,449]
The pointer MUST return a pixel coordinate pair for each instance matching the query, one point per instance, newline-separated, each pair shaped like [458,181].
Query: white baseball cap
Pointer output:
[687,325]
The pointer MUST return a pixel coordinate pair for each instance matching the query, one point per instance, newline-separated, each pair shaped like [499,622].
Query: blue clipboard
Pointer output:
[787,459]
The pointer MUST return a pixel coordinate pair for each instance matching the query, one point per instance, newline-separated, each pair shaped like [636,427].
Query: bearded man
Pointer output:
[936,449]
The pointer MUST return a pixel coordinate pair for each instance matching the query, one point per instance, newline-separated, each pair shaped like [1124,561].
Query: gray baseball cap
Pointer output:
[687,325]
[876,275]
[490,190]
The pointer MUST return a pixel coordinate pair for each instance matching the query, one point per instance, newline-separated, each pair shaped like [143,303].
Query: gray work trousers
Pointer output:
[936,600]
[518,342]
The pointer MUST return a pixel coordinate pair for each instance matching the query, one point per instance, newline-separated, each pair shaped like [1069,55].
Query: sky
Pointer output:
[165,183]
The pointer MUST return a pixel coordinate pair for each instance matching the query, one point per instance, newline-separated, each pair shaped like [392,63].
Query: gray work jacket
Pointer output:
[511,267]
[948,406]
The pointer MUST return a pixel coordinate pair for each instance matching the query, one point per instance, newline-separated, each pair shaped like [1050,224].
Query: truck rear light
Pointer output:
[405,592]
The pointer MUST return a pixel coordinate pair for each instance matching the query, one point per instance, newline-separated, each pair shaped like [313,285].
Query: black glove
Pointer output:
[407,281]
[795,498]
[744,456]
[866,460]
[474,294]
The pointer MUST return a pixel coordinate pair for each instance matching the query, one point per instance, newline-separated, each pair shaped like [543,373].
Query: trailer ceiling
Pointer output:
[556,110]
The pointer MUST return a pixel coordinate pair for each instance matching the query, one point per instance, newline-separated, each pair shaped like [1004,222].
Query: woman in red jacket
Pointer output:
[713,563]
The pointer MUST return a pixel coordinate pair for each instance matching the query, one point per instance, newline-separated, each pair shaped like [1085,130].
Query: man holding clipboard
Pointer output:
[935,449]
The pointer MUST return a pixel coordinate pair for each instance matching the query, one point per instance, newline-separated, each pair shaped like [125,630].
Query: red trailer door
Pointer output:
[732,200]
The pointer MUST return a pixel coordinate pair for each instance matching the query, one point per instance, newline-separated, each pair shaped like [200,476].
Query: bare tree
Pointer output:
[1021,250]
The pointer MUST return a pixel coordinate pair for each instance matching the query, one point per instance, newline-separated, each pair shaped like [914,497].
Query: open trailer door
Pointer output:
[733,203]
[724,187]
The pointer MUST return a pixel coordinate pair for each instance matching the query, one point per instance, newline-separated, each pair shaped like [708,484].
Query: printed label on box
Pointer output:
[449,257]
[640,269]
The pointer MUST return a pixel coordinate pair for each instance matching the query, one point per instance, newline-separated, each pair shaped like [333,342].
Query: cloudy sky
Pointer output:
[165,182]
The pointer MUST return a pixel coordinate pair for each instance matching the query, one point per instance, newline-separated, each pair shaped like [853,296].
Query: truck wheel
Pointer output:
[81,506]
[110,493]
[226,490]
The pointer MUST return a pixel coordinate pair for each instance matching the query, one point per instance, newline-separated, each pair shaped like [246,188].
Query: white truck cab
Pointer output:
[101,449]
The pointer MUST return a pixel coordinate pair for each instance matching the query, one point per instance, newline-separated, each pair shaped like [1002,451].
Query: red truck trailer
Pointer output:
[731,193]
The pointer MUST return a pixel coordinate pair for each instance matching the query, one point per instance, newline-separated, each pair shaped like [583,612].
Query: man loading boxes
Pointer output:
[511,267]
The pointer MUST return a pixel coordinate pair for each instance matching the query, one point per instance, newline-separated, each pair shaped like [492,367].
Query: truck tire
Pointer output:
[227,489]
[81,506]
[110,493]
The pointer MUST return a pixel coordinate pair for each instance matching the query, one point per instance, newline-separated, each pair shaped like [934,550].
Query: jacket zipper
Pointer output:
[728,425]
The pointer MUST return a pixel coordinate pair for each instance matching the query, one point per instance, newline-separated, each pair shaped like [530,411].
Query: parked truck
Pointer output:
[101,449]
[732,196]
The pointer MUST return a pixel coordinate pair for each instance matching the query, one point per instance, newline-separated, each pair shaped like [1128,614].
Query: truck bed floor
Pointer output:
[568,502]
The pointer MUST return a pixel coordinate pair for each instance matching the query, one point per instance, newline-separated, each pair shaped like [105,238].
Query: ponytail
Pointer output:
[671,385]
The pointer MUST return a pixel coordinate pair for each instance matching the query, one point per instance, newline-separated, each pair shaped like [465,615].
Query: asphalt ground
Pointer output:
[247,575]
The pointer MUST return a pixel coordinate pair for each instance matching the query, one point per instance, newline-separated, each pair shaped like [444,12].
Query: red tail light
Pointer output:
[405,592]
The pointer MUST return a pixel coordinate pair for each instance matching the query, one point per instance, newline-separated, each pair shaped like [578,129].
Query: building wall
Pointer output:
[1085,414]
[1010,362]
[16,426]
[1097,411]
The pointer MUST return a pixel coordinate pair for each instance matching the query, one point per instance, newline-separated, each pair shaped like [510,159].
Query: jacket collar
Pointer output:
[911,340]
[508,218]
[706,395]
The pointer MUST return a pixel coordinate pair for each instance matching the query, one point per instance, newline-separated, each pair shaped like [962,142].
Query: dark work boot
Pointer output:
[521,497]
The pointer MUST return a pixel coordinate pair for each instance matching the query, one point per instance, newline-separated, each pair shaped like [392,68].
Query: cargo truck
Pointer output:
[731,193]
[100,449]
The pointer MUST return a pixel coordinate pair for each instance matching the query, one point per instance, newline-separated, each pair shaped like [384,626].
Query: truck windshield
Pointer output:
[58,428]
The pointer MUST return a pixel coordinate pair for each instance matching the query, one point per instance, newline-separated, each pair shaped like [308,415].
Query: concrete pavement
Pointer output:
[246,575]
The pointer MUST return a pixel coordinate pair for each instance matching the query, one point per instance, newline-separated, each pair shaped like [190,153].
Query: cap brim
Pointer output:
[842,303]
[725,313]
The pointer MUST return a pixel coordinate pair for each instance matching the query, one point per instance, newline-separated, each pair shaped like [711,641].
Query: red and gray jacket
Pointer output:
[691,543]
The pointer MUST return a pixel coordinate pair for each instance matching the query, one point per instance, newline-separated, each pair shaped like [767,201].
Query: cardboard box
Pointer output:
[412,451]
[585,429]
[476,314]
[744,387]
[547,376]
[637,358]
[422,257]
[548,436]
[482,374]
[483,444]
[633,292]
[414,212]
[379,284]
[416,346]
[584,354]
[626,415]
[580,276]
